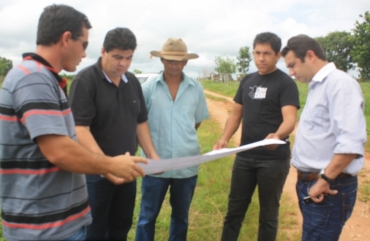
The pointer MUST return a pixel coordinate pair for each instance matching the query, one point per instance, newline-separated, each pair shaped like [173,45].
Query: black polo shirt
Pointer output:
[111,112]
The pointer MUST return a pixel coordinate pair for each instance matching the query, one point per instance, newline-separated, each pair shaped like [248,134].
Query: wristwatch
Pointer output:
[323,176]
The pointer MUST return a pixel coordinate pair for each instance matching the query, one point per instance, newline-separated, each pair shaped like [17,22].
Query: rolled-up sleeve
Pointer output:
[347,113]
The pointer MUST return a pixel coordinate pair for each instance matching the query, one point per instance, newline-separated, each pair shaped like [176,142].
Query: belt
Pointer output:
[311,176]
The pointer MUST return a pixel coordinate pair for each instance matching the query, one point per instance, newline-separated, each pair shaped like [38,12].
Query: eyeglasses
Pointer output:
[84,43]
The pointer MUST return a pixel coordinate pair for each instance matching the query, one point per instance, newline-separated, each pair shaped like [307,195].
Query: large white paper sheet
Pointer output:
[157,166]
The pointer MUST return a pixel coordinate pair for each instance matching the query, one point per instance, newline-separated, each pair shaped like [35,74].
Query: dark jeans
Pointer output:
[270,176]
[78,236]
[154,190]
[324,221]
[112,208]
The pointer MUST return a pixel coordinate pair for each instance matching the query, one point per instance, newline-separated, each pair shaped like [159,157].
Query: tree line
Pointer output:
[5,66]
[348,50]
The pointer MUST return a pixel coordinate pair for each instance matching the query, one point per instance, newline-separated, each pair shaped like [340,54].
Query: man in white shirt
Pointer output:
[329,146]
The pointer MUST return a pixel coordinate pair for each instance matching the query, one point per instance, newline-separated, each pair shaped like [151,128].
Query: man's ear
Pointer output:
[278,56]
[65,38]
[310,55]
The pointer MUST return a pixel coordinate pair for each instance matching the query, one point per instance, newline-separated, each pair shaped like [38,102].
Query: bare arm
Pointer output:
[67,154]
[86,139]
[145,140]
[231,126]
[289,113]
[336,166]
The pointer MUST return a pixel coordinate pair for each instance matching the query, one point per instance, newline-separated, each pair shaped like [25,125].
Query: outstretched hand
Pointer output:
[125,167]
[115,180]
[220,144]
[273,146]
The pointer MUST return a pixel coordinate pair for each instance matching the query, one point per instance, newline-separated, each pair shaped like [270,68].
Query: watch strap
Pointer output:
[323,176]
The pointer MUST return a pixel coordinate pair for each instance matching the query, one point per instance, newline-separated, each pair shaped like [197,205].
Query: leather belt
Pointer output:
[311,176]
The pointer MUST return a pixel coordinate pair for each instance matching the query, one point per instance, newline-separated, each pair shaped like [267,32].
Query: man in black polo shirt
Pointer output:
[267,102]
[111,118]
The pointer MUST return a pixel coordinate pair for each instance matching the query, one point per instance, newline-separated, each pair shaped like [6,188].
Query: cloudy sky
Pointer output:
[209,27]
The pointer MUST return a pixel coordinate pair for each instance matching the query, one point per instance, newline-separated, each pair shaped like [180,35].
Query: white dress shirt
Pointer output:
[332,122]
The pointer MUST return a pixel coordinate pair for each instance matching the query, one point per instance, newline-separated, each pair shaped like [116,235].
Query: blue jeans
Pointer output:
[79,235]
[325,220]
[269,176]
[112,208]
[154,190]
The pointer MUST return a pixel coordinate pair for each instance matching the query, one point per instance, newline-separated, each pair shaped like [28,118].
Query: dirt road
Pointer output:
[358,226]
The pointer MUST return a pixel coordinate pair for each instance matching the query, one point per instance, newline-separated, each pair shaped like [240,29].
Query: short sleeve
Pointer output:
[40,105]
[201,112]
[289,94]
[81,100]
[143,115]
[239,93]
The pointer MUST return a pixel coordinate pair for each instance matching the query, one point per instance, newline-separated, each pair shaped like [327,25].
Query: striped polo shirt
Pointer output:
[40,201]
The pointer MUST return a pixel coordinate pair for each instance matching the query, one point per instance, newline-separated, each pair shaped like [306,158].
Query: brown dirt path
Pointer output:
[357,227]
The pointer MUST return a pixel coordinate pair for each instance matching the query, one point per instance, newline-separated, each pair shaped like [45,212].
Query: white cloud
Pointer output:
[210,28]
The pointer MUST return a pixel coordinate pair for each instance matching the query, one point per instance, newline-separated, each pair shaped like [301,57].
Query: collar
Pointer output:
[98,65]
[184,79]
[323,72]
[35,57]
[124,78]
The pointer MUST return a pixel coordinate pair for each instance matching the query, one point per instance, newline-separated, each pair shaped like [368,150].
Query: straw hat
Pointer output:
[174,49]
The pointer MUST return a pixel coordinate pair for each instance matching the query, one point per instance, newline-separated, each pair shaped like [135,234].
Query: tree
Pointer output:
[224,65]
[5,66]
[338,46]
[361,48]
[136,71]
[244,59]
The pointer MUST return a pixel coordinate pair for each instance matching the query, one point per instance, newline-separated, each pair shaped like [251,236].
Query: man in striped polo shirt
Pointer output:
[43,192]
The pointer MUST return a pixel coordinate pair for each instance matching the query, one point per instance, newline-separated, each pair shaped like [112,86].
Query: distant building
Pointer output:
[221,77]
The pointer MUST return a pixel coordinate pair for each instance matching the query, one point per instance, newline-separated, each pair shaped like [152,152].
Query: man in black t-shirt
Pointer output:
[267,101]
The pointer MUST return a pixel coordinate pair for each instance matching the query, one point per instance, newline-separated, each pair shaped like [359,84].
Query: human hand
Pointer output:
[273,146]
[156,157]
[319,189]
[113,179]
[220,144]
[125,167]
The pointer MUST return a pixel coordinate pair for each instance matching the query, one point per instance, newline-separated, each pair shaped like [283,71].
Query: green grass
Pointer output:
[222,88]
[364,188]
[229,89]
[209,204]
[303,90]
[364,191]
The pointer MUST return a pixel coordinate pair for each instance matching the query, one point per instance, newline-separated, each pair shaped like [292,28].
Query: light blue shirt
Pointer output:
[172,123]
[332,122]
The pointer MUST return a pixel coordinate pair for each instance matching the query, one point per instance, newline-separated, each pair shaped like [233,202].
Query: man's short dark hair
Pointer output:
[300,44]
[120,38]
[57,19]
[268,38]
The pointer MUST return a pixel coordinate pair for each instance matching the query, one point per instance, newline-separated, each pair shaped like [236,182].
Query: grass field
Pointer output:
[229,89]
[209,204]
[210,200]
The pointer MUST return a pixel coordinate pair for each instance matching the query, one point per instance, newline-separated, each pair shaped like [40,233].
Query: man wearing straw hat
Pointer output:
[176,107]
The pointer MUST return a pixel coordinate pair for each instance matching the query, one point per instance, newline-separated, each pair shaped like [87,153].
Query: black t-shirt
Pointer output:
[111,112]
[262,97]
